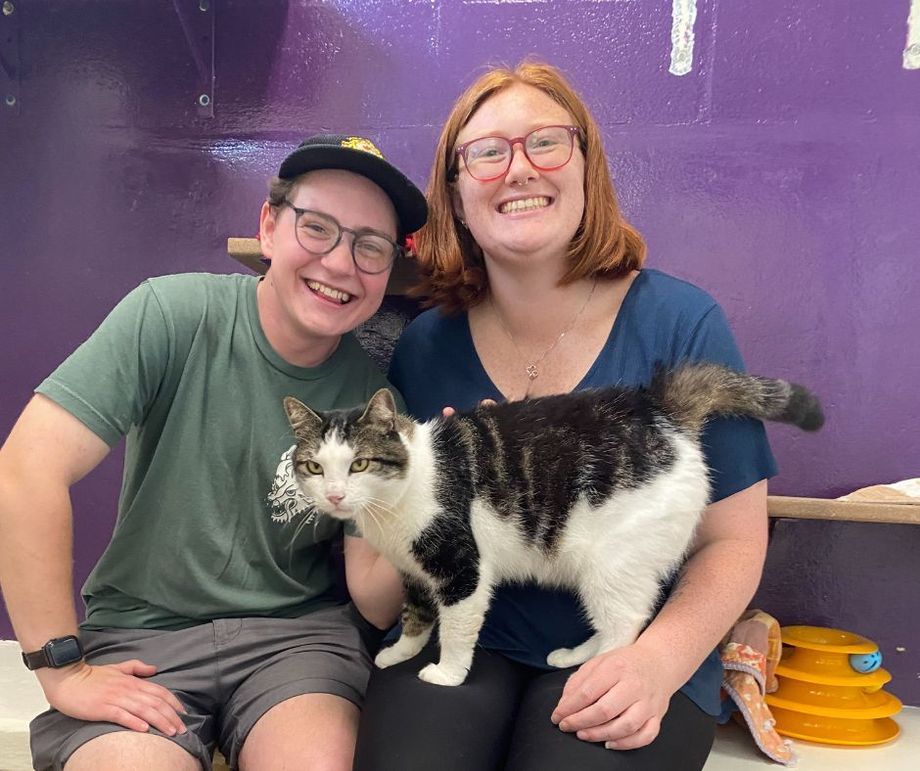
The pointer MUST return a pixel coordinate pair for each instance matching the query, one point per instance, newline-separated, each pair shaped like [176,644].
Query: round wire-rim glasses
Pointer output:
[320,233]
[546,148]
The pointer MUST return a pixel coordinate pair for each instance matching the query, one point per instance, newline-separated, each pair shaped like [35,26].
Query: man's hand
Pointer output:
[114,693]
[619,697]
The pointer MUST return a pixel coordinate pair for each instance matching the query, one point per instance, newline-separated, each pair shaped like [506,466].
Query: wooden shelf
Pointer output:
[844,511]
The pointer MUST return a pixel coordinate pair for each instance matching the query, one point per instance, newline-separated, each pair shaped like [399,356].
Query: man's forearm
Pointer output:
[47,451]
[382,595]
[374,584]
[36,562]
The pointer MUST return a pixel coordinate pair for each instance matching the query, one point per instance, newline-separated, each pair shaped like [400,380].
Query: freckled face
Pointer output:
[315,298]
[527,215]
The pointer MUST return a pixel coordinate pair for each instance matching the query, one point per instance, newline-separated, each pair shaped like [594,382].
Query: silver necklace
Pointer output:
[532,368]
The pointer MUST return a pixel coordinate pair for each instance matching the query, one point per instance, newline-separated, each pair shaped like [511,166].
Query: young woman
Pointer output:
[540,288]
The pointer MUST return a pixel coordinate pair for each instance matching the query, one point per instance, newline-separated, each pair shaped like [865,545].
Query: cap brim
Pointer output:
[408,200]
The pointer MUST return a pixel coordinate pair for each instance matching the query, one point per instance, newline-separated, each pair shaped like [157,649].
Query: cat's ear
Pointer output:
[381,409]
[303,420]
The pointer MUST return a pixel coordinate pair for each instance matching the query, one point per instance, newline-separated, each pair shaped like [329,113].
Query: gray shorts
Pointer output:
[227,673]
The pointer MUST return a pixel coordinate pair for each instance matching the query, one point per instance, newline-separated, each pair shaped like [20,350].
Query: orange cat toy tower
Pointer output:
[830,689]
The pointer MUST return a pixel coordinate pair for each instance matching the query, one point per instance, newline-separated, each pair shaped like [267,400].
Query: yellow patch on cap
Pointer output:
[365,145]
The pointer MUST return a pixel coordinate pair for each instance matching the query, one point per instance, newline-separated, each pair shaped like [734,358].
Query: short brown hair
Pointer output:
[279,190]
[450,261]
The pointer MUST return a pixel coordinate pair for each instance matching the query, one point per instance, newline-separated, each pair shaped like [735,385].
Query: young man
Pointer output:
[211,618]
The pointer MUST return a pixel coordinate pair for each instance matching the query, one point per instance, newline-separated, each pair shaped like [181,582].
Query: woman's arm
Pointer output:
[621,696]
[373,583]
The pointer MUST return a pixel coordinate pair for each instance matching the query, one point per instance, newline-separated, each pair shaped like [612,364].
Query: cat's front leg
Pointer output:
[418,617]
[458,631]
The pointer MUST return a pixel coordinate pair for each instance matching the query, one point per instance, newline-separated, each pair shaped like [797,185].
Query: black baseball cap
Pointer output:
[361,156]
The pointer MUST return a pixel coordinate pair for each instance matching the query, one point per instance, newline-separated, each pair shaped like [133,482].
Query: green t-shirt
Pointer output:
[210,524]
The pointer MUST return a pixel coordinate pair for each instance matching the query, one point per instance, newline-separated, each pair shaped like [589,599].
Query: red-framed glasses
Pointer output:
[547,148]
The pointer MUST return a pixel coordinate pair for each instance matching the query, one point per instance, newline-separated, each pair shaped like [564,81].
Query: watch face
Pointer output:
[63,651]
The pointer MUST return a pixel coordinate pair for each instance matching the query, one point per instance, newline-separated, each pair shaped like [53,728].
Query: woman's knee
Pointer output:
[410,724]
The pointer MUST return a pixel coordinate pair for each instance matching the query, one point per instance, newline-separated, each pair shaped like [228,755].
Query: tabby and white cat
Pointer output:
[596,491]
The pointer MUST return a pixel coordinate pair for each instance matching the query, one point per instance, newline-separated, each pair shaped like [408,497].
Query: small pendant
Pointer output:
[532,371]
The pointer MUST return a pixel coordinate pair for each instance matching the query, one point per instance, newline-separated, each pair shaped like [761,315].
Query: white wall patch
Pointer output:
[912,49]
[683,17]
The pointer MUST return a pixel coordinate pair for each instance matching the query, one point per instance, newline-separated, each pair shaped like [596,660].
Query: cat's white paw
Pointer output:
[390,656]
[438,675]
[567,657]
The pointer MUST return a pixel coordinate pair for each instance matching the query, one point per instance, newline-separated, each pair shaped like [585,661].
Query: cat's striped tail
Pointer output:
[694,392]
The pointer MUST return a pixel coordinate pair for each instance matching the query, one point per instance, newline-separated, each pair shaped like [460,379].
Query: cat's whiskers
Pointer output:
[381,503]
[300,526]
[376,506]
[389,535]
[304,521]
[368,509]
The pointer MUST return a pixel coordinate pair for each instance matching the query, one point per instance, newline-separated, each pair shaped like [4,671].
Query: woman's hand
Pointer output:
[446,412]
[619,697]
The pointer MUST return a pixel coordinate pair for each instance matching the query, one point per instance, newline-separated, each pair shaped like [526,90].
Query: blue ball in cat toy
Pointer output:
[866,662]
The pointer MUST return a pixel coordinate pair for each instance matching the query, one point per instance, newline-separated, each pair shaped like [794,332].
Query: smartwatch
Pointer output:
[55,653]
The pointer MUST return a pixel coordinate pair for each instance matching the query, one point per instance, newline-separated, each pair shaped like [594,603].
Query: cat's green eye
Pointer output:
[359,465]
[313,467]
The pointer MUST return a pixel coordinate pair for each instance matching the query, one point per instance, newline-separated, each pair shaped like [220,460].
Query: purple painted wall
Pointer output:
[782,174]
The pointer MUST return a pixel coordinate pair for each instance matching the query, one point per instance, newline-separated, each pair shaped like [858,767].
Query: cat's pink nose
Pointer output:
[334,498]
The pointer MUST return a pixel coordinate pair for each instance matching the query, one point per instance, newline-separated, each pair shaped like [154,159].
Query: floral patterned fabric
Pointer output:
[750,653]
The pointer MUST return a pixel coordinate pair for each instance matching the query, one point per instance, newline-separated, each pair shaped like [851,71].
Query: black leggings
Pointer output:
[499,719]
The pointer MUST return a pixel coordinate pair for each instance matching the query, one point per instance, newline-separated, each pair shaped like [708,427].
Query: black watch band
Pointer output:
[55,653]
